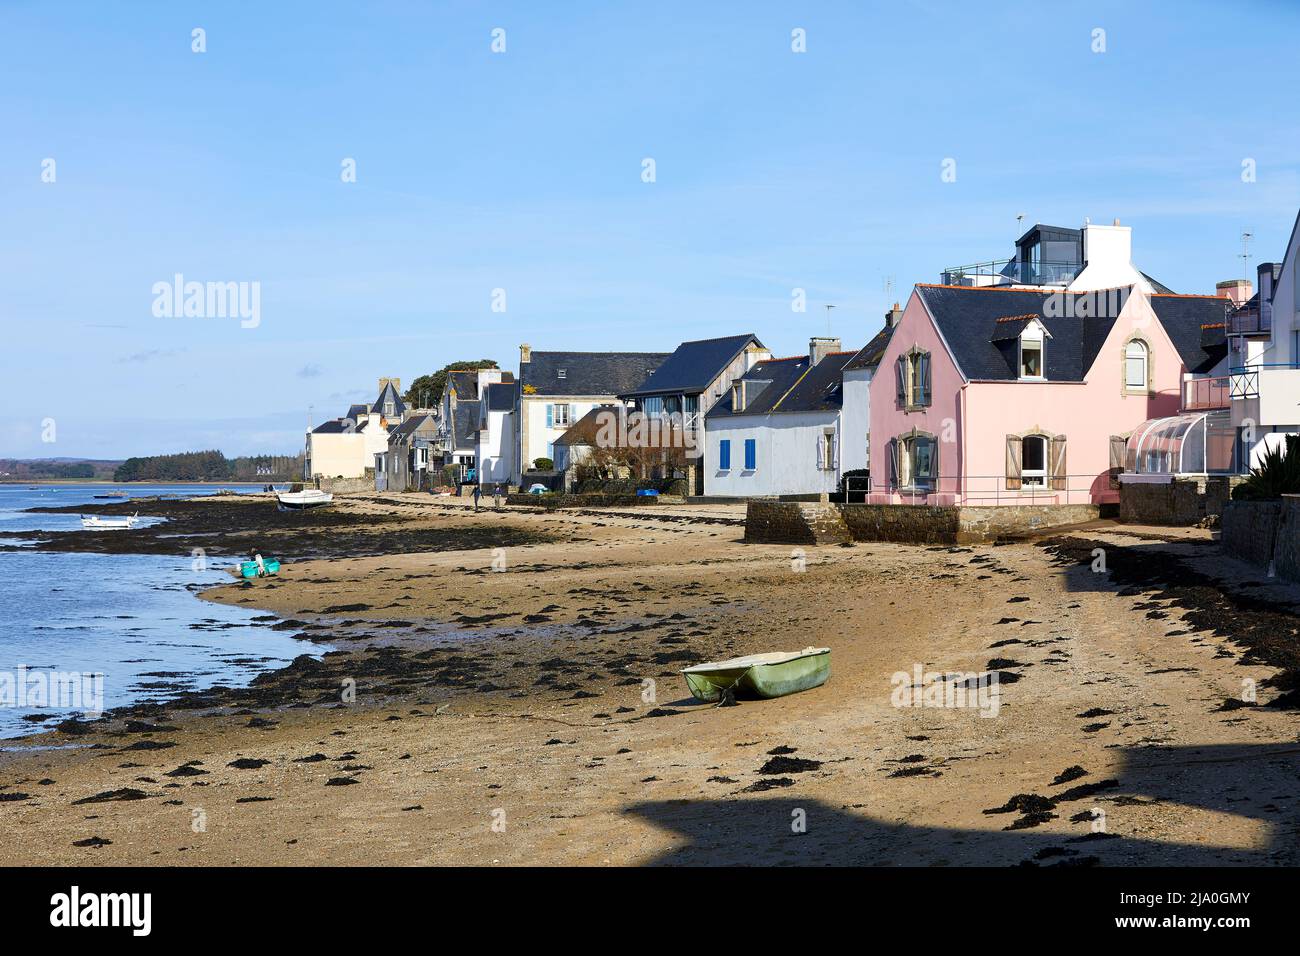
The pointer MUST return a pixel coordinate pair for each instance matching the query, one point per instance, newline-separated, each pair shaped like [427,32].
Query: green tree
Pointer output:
[427,389]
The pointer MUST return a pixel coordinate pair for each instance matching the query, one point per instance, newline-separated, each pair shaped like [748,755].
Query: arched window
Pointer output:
[1135,365]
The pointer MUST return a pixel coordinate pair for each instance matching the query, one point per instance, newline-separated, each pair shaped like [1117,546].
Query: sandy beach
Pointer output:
[504,688]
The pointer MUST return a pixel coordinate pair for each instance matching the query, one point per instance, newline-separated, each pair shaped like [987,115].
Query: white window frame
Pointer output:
[1146,365]
[561,417]
[1035,478]
[1032,336]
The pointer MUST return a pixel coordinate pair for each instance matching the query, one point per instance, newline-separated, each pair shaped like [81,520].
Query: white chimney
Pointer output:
[525,354]
[1108,260]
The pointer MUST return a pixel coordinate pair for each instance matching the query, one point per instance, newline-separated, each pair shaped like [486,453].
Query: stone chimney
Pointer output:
[821,346]
[893,316]
[396,382]
[1238,290]
[525,354]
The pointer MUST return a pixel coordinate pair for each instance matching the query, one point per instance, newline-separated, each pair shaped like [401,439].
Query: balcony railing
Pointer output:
[1249,323]
[1245,378]
[1203,393]
[1013,272]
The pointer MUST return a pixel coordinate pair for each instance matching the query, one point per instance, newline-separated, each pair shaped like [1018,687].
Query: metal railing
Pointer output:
[1013,271]
[1203,393]
[988,490]
[1247,323]
[1245,378]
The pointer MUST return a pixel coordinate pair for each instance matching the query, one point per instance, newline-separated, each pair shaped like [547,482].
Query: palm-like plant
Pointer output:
[1277,474]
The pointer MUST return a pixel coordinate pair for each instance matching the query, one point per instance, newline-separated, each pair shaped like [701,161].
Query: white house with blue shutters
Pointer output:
[558,388]
[778,429]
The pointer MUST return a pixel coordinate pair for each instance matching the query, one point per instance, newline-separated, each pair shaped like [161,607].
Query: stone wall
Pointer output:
[907,524]
[987,523]
[781,522]
[348,486]
[789,522]
[1183,501]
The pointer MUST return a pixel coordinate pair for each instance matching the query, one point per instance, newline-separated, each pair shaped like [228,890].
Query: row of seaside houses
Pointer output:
[1052,375]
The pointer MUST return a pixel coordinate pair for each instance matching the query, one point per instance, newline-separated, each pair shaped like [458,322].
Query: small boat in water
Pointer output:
[113,494]
[96,523]
[760,675]
[301,500]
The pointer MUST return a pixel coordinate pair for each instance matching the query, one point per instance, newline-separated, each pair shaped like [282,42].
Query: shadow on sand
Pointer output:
[1252,781]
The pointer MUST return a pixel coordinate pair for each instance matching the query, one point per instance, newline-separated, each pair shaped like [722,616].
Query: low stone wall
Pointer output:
[907,524]
[780,522]
[790,522]
[1183,501]
[987,523]
[346,486]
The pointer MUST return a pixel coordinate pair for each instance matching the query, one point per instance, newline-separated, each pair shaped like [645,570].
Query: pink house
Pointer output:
[1003,395]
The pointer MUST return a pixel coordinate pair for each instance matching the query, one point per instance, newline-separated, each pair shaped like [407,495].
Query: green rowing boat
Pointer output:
[761,675]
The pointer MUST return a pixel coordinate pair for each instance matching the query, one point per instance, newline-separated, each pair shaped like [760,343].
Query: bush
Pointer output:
[1277,474]
[544,464]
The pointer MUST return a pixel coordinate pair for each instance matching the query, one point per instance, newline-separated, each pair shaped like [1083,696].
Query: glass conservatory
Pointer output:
[1193,443]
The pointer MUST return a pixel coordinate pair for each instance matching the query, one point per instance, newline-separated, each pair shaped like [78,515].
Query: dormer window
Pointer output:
[737,398]
[389,409]
[562,373]
[1031,351]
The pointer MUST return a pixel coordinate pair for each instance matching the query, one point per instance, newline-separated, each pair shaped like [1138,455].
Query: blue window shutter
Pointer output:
[724,454]
[751,454]
[550,416]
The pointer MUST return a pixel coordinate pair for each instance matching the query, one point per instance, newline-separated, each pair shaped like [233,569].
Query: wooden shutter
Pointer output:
[1058,469]
[550,416]
[924,362]
[1015,460]
[900,378]
[821,452]
[893,462]
[835,452]
[1118,458]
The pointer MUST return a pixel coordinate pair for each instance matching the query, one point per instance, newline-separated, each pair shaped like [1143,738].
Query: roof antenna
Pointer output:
[828,320]
[1245,255]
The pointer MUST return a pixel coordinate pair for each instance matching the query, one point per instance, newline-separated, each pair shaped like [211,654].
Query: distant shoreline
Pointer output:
[135,484]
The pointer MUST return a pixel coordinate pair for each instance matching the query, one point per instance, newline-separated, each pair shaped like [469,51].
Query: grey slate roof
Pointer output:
[501,396]
[587,373]
[968,319]
[465,424]
[335,426]
[388,390]
[870,354]
[778,374]
[693,366]
[357,410]
[409,427]
[821,390]
[1184,318]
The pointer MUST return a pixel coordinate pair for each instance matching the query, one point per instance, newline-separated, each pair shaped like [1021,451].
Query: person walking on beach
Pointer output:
[496,497]
[478,493]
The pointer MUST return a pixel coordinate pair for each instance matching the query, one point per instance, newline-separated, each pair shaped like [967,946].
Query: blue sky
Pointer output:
[522,171]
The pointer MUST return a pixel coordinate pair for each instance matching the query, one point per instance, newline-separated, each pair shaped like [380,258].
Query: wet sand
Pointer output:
[507,716]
